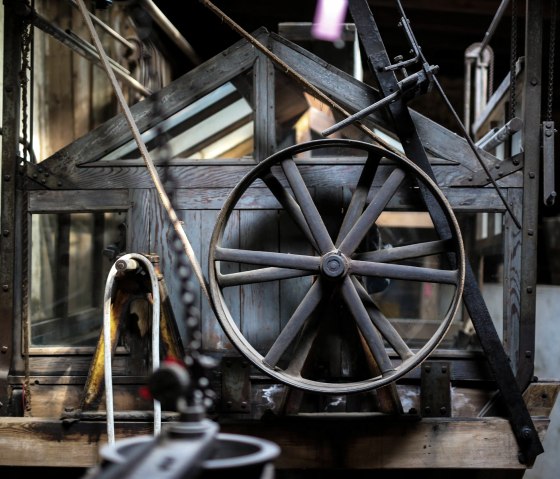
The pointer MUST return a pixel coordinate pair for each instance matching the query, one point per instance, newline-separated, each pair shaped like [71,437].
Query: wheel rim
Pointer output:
[335,267]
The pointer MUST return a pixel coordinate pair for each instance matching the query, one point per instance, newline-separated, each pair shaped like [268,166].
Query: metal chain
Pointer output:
[551,54]
[198,364]
[513,61]
[27,35]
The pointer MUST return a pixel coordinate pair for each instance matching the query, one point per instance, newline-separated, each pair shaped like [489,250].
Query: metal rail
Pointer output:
[128,262]
[493,25]
[171,31]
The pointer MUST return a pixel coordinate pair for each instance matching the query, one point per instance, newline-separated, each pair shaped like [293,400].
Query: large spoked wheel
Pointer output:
[332,261]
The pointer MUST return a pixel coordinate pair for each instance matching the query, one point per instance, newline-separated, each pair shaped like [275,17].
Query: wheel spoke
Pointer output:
[372,212]
[359,197]
[303,347]
[369,333]
[261,275]
[399,271]
[308,208]
[290,205]
[269,258]
[382,323]
[400,253]
[294,325]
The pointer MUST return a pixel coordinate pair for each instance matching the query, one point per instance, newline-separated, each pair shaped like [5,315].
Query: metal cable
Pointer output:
[164,199]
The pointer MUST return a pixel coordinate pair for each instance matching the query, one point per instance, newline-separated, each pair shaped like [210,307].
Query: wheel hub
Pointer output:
[334,265]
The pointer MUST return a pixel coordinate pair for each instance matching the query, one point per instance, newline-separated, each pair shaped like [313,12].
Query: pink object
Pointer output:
[329,18]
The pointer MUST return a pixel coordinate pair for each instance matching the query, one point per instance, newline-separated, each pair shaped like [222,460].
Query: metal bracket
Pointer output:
[236,385]
[40,175]
[435,389]
[499,169]
[549,194]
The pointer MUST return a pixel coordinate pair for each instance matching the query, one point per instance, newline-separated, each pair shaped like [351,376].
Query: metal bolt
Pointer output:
[229,404]
[6,232]
[9,89]
[531,174]
[4,349]
[526,432]
[470,178]
[530,232]
[427,409]
[528,354]
[7,177]
[443,410]
[243,405]
[444,369]
[427,368]
[529,289]
[534,81]
[59,183]
[5,287]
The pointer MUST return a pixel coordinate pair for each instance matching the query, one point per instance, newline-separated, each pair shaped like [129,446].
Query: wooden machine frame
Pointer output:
[71,180]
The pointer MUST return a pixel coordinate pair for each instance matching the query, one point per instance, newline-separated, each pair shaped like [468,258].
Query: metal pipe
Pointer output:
[116,35]
[503,133]
[91,49]
[171,31]
[127,262]
[492,28]
[71,42]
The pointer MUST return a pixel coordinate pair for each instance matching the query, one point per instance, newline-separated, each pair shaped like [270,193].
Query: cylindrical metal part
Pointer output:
[126,264]
[503,133]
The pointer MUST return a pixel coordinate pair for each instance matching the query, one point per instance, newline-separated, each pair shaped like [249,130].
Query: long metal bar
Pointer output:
[171,30]
[493,25]
[532,88]
[501,134]
[13,27]
[520,419]
[116,35]
[71,42]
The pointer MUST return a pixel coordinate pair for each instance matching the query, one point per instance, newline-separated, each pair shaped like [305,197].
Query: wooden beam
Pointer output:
[356,442]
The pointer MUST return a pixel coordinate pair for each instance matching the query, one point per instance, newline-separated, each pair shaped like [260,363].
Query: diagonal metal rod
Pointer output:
[164,199]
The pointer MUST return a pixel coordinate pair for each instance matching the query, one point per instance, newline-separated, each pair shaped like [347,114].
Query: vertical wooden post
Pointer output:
[264,105]
[13,26]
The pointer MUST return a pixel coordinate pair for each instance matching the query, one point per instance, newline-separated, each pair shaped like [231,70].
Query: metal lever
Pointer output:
[417,79]
[549,194]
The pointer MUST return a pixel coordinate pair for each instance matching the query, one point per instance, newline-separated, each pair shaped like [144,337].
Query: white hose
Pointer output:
[107,339]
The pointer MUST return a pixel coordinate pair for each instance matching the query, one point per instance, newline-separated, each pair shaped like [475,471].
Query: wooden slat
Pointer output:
[49,201]
[362,443]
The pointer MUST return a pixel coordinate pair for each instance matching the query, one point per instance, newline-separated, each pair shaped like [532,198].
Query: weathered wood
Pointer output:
[177,95]
[362,443]
[13,27]
[264,138]
[48,201]
[512,277]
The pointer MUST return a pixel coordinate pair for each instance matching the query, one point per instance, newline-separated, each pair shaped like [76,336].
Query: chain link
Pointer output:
[551,55]
[26,41]
[513,61]
[198,364]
